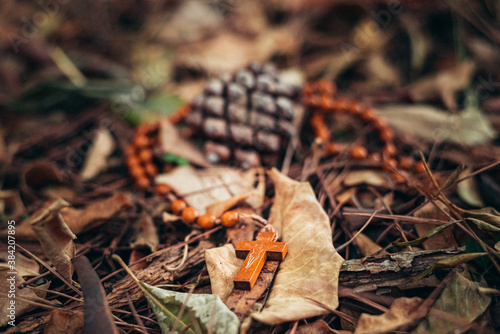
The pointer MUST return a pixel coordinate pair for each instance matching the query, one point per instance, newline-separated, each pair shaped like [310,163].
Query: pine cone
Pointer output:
[247,118]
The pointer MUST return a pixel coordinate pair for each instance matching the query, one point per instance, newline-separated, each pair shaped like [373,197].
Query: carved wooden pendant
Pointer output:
[255,254]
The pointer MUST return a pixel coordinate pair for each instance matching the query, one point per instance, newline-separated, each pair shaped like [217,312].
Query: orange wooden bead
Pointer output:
[368,115]
[419,168]
[398,178]
[129,150]
[333,148]
[177,206]
[355,108]
[405,162]
[341,105]
[375,157]
[378,123]
[151,169]
[142,182]
[358,152]
[163,189]
[137,171]
[132,161]
[141,140]
[206,221]
[389,150]
[386,134]
[190,214]
[389,164]
[145,155]
[230,218]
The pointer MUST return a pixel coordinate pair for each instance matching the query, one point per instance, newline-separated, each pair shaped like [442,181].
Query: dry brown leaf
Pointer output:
[103,145]
[469,127]
[96,213]
[64,321]
[442,240]
[202,188]
[146,234]
[317,327]
[21,306]
[228,51]
[82,220]
[367,176]
[172,142]
[222,266]
[401,312]
[40,174]
[24,266]
[445,85]
[311,267]
[366,245]
[11,203]
[55,237]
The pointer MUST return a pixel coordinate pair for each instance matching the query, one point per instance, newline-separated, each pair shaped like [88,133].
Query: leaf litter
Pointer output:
[144,61]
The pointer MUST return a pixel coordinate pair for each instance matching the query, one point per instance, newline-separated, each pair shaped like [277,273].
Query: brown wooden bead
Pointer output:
[355,108]
[129,150]
[177,206]
[230,218]
[151,169]
[132,161]
[386,134]
[163,189]
[389,164]
[333,148]
[378,123]
[375,157]
[142,182]
[145,155]
[368,115]
[141,141]
[389,150]
[358,152]
[406,162]
[206,221]
[398,178]
[419,168]
[190,214]
[137,171]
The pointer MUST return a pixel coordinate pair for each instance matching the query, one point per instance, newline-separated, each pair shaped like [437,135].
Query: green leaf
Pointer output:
[154,107]
[180,161]
[421,240]
[461,298]
[453,177]
[199,308]
[484,225]
[488,215]
[449,262]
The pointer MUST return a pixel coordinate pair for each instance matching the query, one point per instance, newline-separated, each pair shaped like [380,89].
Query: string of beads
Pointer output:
[139,154]
[320,98]
[205,221]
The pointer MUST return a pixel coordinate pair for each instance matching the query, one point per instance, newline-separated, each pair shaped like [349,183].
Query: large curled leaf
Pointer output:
[311,267]
[198,307]
[461,298]
[55,236]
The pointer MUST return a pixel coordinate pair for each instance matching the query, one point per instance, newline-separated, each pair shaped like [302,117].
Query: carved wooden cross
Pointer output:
[255,254]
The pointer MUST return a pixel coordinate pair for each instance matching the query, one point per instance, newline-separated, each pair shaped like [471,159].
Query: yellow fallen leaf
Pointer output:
[311,267]
[222,266]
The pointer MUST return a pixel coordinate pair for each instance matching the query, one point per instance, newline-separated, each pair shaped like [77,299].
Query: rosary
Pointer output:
[248,118]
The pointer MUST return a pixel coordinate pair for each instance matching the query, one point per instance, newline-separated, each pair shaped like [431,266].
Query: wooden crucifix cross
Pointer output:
[255,254]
